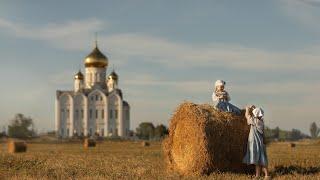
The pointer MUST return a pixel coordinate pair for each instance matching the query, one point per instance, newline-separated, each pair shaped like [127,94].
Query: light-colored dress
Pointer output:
[221,102]
[256,149]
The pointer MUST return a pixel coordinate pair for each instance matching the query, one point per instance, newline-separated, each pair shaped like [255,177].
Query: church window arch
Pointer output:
[77,114]
[111,114]
[82,114]
[68,113]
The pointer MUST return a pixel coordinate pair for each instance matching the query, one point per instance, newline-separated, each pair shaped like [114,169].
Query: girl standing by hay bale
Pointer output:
[221,99]
[256,149]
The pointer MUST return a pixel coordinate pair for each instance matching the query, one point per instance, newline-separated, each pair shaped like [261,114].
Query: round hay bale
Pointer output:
[89,143]
[145,143]
[15,146]
[292,145]
[202,140]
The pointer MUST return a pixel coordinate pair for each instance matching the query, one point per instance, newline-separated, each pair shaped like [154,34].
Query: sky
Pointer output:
[165,52]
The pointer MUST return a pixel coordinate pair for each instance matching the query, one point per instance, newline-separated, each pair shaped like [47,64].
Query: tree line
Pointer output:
[23,127]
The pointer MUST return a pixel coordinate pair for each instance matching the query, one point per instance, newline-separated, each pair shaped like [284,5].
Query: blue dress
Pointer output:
[256,150]
[224,105]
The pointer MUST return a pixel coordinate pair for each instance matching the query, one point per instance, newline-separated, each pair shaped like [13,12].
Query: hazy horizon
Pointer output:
[165,52]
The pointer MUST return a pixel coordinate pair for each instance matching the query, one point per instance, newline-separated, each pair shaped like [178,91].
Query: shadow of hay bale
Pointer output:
[202,140]
[283,170]
[16,146]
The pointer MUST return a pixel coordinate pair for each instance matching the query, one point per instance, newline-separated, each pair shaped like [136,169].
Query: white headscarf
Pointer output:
[219,83]
[258,112]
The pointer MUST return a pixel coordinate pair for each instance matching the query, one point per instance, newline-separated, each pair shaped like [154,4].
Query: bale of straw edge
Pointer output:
[89,143]
[202,140]
[15,146]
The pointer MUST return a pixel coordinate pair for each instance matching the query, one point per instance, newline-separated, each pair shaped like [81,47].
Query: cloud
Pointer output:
[69,35]
[306,12]
[75,35]
[313,3]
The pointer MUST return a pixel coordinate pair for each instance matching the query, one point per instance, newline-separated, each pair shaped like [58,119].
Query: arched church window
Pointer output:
[97,97]
[110,112]
[81,113]
[68,114]
[90,113]
[77,114]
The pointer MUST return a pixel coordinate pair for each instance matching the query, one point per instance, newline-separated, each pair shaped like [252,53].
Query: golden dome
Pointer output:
[79,76]
[96,59]
[113,75]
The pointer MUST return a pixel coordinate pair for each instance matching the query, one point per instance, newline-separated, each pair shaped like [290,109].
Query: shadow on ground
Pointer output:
[283,170]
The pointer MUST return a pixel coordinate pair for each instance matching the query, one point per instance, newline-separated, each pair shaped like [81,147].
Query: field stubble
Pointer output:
[130,160]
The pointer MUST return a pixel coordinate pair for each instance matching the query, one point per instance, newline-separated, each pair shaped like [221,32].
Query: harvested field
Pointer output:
[129,160]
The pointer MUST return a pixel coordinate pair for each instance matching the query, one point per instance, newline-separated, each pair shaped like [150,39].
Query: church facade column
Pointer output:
[106,117]
[57,116]
[71,116]
[85,117]
[120,117]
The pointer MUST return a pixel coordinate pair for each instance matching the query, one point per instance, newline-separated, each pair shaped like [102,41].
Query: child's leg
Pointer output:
[265,170]
[258,170]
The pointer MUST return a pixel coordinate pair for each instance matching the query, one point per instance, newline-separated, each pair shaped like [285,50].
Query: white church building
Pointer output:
[95,106]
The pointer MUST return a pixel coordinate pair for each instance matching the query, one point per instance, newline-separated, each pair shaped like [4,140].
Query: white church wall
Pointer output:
[114,114]
[65,117]
[97,102]
[126,117]
[79,110]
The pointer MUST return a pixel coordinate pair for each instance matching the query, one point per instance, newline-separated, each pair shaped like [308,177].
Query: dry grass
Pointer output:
[129,160]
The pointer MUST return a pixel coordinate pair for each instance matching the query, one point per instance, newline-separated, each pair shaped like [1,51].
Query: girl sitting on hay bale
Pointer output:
[256,149]
[221,99]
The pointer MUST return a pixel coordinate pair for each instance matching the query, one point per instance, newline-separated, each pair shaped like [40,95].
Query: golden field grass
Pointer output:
[129,160]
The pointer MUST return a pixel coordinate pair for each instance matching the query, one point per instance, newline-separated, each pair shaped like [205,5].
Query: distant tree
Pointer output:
[276,133]
[145,130]
[160,131]
[296,134]
[314,130]
[21,127]
[3,133]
